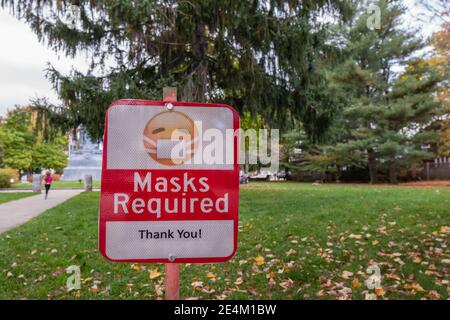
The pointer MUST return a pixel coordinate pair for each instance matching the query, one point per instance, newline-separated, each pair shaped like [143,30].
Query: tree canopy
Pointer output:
[27,151]
[263,56]
[388,111]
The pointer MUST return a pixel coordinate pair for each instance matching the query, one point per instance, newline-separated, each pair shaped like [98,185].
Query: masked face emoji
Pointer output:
[170,138]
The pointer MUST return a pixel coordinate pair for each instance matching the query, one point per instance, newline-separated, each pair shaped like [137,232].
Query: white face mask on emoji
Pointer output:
[174,149]
[171,149]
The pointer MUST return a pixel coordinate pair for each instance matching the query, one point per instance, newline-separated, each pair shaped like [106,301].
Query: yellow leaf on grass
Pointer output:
[210,275]
[136,267]
[154,273]
[356,284]
[259,260]
[414,286]
[86,280]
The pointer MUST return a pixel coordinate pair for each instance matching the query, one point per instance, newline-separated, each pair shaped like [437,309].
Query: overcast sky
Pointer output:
[23,60]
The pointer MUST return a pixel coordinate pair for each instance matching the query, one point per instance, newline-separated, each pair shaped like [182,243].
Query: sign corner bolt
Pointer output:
[169,106]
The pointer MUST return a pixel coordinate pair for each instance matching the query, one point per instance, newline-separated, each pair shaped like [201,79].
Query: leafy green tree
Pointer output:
[26,151]
[332,159]
[259,56]
[48,156]
[2,154]
[17,139]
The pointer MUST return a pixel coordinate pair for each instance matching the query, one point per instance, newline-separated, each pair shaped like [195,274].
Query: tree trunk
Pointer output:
[197,84]
[338,173]
[372,164]
[247,162]
[393,171]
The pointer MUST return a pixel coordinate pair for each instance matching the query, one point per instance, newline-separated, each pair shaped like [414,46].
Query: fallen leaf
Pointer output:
[94,289]
[434,294]
[197,285]
[414,286]
[57,272]
[286,284]
[86,280]
[135,267]
[346,274]
[370,296]
[272,282]
[210,275]
[356,284]
[154,273]
[379,291]
[159,290]
[392,276]
[445,229]
[259,260]
[290,252]
[417,260]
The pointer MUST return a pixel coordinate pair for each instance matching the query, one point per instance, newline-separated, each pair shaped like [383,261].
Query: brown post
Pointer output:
[172,269]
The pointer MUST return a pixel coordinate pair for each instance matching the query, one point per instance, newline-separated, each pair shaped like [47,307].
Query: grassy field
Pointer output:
[57,185]
[296,241]
[5,197]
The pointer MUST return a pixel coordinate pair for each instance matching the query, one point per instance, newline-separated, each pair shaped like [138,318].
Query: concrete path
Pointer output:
[16,212]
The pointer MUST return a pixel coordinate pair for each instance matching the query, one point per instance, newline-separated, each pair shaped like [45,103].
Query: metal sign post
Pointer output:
[172,269]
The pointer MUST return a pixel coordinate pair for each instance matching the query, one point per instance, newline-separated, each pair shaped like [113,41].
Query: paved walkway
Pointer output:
[16,212]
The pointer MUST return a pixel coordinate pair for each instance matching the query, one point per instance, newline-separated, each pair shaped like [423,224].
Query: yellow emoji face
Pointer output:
[170,138]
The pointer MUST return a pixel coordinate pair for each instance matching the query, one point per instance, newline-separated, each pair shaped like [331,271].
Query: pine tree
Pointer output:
[388,112]
[259,56]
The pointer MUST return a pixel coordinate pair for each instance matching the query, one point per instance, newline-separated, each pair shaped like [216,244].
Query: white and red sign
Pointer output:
[170,182]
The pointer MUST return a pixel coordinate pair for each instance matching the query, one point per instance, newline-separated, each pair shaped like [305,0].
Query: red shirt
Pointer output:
[48,179]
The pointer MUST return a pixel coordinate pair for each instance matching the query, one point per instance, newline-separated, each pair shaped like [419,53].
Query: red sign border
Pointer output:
[236,168]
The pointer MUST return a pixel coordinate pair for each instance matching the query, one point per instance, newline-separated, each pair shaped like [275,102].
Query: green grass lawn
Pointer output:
[296,241]
[57,185]
[9,196]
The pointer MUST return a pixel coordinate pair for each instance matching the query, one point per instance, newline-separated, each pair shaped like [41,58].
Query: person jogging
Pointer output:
[47,182]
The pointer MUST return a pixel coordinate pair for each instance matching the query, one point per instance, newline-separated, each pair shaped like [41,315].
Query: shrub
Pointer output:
[4,181]
[10,174]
